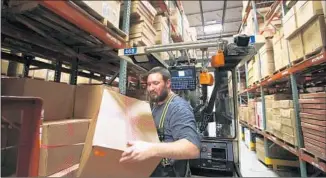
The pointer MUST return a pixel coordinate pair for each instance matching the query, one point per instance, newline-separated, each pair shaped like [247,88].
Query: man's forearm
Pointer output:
[181,149]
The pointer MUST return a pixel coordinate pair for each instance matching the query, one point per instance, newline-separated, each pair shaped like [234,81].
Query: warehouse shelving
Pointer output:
[292,74]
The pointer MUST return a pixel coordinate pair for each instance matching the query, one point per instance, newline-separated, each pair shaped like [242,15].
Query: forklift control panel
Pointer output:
[183,77]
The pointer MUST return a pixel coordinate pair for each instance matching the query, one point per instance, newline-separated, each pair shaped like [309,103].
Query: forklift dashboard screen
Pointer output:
[183,77]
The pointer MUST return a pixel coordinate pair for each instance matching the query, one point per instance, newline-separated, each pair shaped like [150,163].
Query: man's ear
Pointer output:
[168,83]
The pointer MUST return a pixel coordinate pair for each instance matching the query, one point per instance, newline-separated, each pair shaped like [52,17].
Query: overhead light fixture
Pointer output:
[213,28]
[211,22]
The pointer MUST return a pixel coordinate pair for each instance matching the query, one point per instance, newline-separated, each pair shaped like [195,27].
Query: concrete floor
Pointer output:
[250,166]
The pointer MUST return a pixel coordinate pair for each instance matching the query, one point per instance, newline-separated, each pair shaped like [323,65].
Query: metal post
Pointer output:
[74,71]
[90,79]
[57,72]
[246,71]
[27,65]
[295,96]
[239,81]
[123,63]
[254,11]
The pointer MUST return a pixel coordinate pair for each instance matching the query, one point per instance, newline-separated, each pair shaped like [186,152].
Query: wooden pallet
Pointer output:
[281,69]
[308,56]
[281,140]
[317,157]
[106,22]
[279,164]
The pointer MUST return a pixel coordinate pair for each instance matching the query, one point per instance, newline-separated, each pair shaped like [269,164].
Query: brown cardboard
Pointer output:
[57,97]
[87,100]
[120,119]
[64,132]
[53,160]
[288,113]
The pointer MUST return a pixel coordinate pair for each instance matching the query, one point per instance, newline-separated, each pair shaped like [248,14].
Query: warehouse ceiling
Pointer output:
[213,18]
[202,14]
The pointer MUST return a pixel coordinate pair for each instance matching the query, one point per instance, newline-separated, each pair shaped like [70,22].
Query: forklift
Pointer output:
[216,115]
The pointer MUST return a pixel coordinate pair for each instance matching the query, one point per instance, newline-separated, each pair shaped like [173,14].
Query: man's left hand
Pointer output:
[137,151]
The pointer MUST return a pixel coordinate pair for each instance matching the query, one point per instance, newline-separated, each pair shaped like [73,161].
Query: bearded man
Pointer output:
[176,125]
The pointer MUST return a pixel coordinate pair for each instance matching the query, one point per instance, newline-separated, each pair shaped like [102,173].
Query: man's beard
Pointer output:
[159,98]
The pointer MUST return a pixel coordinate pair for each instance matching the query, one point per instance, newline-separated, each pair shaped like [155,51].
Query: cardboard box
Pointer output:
[285,104]
[58,98]
[259,115]
[118,120]
[296,47]
[278,96]
[307,10]
[288,113]
[107,9]
[288,130]
[55,159]
[64,132]
[88,100]
[290,22]
[314,35]
[288,122]
[276,111]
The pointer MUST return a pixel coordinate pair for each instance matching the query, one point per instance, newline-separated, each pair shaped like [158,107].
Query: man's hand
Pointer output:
[138,151]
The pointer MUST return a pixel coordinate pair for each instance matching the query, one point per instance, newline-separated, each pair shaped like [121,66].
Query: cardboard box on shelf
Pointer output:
[296,49]
[117,120]
[290,22]
[287,113]
[285,104]
[307,10]
[107,9]
[58,98]
[314,35]
[278,96]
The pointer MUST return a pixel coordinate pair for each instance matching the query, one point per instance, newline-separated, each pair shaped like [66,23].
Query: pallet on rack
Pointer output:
[276,138]
[317,157]
[281,69]
[106,22]
[308,56]
[279,164]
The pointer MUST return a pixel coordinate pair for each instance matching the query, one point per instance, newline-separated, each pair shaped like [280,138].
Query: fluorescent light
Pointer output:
[211,22]
[213,28]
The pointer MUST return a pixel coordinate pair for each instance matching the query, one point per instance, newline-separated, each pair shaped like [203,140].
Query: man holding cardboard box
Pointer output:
[176,127]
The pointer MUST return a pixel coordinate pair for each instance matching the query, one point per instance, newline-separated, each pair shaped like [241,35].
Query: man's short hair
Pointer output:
[163,71]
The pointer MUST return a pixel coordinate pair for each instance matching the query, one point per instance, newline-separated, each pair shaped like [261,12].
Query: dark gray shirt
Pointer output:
[179,121]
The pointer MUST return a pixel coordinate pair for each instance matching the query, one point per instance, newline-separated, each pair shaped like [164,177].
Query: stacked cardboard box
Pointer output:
[162,33]
[280,50]
[62,143]
[110,10]
[304,27]
[244,113]
[251,112]
[259,115]
[274,151]
[313,122]
[142,31]
[267,59]
[273,113]
[60,133]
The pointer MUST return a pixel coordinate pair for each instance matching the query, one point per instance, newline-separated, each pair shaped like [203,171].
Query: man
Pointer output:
[176,125]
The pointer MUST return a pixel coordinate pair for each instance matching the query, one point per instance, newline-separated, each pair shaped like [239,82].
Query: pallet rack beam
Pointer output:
[66,10]
[313,61]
